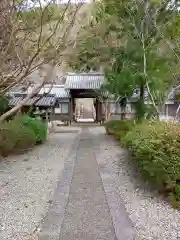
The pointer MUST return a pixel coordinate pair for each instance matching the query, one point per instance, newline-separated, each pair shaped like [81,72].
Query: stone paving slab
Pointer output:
[51,224]
[123,225]
[87,214]
[86,203]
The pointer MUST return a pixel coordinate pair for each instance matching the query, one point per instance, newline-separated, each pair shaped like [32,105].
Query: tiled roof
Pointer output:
[14,100]
[84,81]
[134,96]
[58,90]
[44,101]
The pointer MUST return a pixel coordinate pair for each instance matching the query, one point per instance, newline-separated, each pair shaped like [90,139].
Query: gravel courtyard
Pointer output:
[80,185]
[27,183]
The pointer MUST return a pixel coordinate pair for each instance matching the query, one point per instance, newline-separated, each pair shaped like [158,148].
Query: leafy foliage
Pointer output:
[38,127]
[141,109]
[118,127]
[129,39]
[39,16]
[14,136]
[156,147]
[21,134]
[4,104]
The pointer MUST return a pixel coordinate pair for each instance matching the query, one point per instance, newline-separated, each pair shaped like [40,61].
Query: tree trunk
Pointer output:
[21,104]
[142,91]
[29,96]
[39,98]
[123,108]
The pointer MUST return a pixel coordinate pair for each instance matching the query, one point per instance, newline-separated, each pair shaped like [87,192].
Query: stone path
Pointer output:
[80,185]
[87,214]
[82,209]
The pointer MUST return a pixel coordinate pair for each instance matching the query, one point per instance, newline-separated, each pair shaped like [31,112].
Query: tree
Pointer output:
[40,37]
[135,42]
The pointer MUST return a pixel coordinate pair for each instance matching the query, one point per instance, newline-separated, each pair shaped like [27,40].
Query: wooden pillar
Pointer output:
[51,117]
[96,108]
[70,113]
[100,111]
[167,110]
[95,120]
[74,107]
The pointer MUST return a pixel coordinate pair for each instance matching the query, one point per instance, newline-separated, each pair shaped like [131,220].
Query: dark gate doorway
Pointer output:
[86,86]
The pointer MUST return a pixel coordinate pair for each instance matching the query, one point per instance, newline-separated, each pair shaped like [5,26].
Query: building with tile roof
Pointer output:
[82,86]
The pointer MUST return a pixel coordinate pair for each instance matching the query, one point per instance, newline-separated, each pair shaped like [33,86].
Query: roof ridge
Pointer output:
[87,74]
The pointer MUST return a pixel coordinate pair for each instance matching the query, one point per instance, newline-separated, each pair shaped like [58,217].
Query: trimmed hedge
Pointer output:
[20,134]
[38,127]
[156,147]
[119,128]
[15,136]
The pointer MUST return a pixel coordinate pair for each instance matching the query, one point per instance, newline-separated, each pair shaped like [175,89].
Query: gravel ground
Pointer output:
[153,218]
[27,182]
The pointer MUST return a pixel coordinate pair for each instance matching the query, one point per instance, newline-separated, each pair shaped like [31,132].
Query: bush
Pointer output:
[21,133]
[14,137]
[38,127]
[119,128]
[118,135]
[156,147]
[4,104]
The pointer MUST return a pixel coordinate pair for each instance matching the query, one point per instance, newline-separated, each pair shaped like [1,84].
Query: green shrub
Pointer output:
[21,133]
[118,135]
[4,104]
[39,128]
[109,126]
[156,147]
[118,127]
[14,137]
